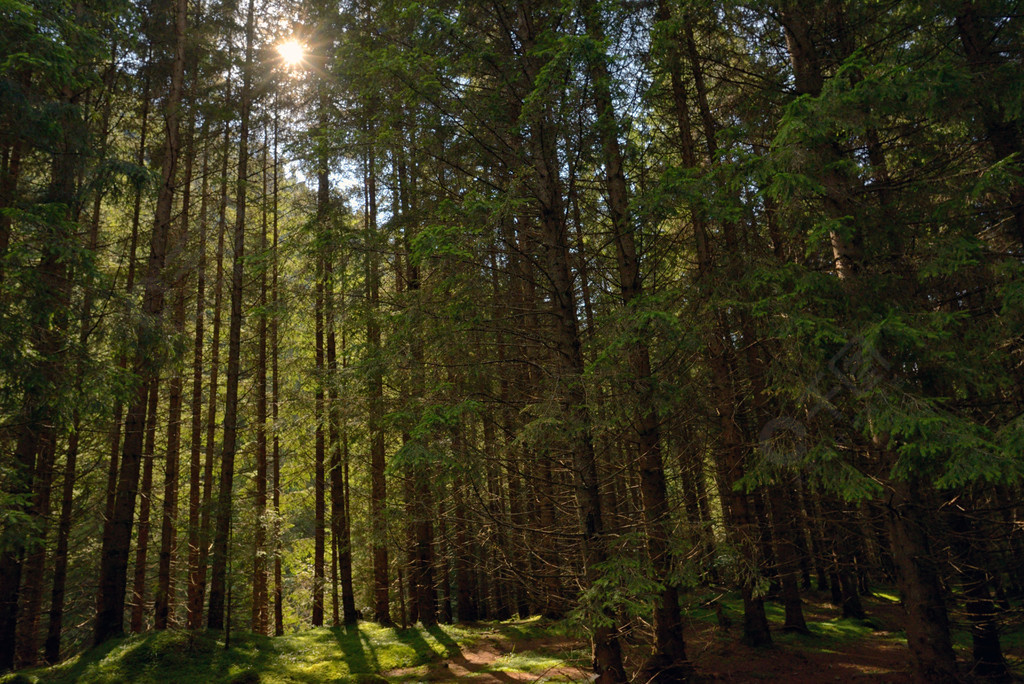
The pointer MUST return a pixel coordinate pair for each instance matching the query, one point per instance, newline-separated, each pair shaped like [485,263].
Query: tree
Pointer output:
[117,530]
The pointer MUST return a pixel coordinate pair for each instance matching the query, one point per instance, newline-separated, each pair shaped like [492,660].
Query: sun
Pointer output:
[292,52]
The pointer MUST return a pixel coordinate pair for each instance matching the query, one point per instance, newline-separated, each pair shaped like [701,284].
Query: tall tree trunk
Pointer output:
[919,581]
[260,606]
[194,601]
[10,172]
[51,648]
[378,491]
[421,577]
[140,159]
[163,606]
[731,454]
[669,662]
[218,571]
[118,528]
[783,516]
[465,602]
[607,654]
[145,505]
[60,558]
[928,623]
[274,385]
[35,561]
[322,198]
[338,450]
[967,540]
[206,517]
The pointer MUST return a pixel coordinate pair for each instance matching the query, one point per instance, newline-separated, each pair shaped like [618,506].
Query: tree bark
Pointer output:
[260,607]
[218,571]
[921,585]
[140,160]
[338,450]
[669,661]
[322,198]
[145,504]
[163,606]
[731,455]
[274,387]
[542,156]
[378,491]
[194,602]
[211,409]
[118,527]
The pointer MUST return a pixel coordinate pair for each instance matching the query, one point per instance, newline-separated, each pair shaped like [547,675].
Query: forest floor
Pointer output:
[513,651]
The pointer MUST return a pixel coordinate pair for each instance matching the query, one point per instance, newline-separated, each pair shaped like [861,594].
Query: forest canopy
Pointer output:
[316,312]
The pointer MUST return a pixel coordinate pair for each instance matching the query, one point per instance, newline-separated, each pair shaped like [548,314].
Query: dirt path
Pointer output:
[488,662]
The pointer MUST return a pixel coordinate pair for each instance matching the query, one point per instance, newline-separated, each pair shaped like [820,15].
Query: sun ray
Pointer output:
[292,52]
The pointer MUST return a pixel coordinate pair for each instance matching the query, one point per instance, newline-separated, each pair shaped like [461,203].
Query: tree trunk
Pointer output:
[378,491]
[140,159]
[921,584]
[786,534]
[118,527]
[145,504]
[322,197]
[260,606]
[731,455]
[10,171]
[465,586]
[194,599]
[669,662]
[607,655]
[211,408]
[164,603]
[218,571]
[51,649]
[274,387]
[339,454]
[35,561]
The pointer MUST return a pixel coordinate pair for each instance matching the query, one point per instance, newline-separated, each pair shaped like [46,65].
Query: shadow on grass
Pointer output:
[412,638]
[373,663]
[149,658]
[452,649]
[350,639]
[82,665]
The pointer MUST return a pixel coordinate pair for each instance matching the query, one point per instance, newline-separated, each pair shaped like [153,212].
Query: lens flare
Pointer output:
[292,52]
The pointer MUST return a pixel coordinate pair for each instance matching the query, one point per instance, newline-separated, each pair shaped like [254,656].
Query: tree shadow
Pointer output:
[452,649]
[412,638]
[350,639]
[366,645]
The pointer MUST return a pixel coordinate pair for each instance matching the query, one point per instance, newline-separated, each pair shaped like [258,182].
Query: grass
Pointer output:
[369,653]
[344,654]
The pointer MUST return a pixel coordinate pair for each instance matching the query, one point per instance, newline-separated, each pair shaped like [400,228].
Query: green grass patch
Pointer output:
[344,654]
[532,662]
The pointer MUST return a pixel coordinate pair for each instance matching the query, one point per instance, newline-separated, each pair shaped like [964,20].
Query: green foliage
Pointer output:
[622,586]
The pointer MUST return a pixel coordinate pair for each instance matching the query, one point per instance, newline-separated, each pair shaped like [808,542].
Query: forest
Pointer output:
[611,312]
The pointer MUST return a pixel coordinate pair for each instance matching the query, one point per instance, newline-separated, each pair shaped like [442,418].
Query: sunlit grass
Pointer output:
[890,596]
[339,654]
